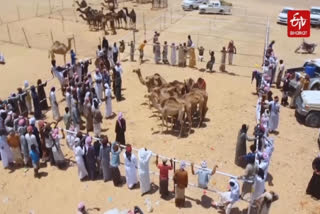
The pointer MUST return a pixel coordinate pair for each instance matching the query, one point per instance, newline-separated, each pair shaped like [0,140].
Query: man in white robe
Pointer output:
[144,175]
[258,110]
[173,54]
[228,199]
[259,184]
[79,153]
[108,101]
[274,115]
[54,105]
[130,162]
[6,154]
[98,86]
[31,139]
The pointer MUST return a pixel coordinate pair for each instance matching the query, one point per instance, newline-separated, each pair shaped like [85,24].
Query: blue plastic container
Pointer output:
[310,70]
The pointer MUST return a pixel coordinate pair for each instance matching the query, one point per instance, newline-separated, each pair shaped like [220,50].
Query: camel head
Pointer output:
[138,71]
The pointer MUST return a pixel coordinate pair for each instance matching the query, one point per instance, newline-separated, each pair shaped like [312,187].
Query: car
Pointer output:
[315,16]
[308,107]
[215,7]
[283,15]
[192,4]
[302,71]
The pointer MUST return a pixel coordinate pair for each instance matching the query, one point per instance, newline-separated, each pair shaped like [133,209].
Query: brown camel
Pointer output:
[60,48]
[171,108]
[150,81]
[132,16]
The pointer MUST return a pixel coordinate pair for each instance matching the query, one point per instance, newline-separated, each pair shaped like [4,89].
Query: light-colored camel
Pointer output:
[60,48]
[171,107]
[150,82]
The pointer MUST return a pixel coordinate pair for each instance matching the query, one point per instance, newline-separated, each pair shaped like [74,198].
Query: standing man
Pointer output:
[211,62]
[181,182]
[98,86]
[165,53]
[189,42]
[67,118]
[141,50]
[130,163]
[157,53]
[164,176]
[42,94]
[241,147]
[144,156]
[104,157]
[231,50]
[223,59]
[108,101]
[97,119]
[280,73]
[204,174]
[173,54]
[274,115]
[115,52]
[36,103]
[120,130]
[201,53]
[14,144]
[54,104]
[132,51]
[73,57]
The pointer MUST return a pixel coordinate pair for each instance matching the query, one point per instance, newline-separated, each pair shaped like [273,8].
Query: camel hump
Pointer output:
[56,43]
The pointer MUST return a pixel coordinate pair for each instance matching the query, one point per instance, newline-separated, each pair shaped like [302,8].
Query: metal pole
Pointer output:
[51,34]
[18,12]
[9,34]
[25,36]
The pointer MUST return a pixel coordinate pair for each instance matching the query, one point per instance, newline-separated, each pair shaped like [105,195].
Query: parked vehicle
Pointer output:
[310,67]
[307,47]
[215,7]
[315,16]
[283,15]
[192,4]
[308,107]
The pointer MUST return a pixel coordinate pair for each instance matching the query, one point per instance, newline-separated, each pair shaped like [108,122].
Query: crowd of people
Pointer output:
[26,138]
[183,54]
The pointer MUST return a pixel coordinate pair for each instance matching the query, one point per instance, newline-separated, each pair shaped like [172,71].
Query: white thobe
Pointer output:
[31,140]
[265,123]
[173,55]
[131,171]
[6,154]
[68,100]
[144,175]
[259,187]
[70,140]
[258,111]
[79,152]
[265,166]
[54,106]
[57,74]
[98,86]
[274,116]
[269,146]
[108,102]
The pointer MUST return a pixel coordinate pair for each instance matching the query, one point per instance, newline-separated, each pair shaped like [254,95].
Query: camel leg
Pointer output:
[64,58]
[162,123]
[200,115]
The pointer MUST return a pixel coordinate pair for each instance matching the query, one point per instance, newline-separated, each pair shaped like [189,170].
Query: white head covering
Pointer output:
[204,164]
[26,84]
[32,121]
[106,86]
[183,165]
[235,191]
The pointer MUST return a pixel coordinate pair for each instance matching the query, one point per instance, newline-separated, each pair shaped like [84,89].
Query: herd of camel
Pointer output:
[98,20]
[176,99]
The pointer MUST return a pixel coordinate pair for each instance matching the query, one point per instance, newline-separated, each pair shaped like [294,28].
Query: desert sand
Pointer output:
[231,103]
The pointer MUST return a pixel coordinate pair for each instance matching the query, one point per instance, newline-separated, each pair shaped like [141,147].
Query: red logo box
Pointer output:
[299,23]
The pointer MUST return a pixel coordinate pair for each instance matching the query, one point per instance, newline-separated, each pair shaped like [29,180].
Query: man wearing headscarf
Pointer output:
[104,158]
[5,152]
[22,130]
[259,184]
[144,156]
[108,100]
[22,102]
[173,54]
[75,113]
[241,147]
[28,97]
[98,86]
[87,110]
[14,144]
[90,159]
[164,176]
[157,53]
[204,174]
[181,182]
[231,50]
[31,139]
[43,148]
[131,164]
[97,119]
[54,105]
[165,53]
[274,114]
[42,94]
[36,103]
[79,153]
[56,148]
[223,59]
[228,199]
[114,164]
[120,129]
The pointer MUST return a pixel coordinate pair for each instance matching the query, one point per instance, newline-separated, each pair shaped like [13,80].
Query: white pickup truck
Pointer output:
[192,4]
[215,7]
[308,107]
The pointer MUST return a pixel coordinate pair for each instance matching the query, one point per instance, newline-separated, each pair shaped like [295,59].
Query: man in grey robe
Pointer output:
[157,53]
[180,55]
[104,158]
[165,53]
[241,147]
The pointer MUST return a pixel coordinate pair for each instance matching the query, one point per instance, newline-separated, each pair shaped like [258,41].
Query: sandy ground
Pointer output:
[231,103]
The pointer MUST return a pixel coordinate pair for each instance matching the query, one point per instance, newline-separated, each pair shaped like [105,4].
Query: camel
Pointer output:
[132,16]
[195,99]
[60,48]
[173,108]
[83,4]
[150,81]
[121,15]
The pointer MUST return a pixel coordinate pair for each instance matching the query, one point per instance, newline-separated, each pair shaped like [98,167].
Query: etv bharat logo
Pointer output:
[299,23]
